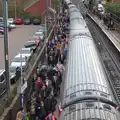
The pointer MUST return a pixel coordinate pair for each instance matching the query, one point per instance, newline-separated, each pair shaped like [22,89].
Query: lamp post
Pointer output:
[5,18]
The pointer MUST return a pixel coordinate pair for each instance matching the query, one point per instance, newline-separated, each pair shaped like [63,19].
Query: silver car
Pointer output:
[26,51]
[40,34]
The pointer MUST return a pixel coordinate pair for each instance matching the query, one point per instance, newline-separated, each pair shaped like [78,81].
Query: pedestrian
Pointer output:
[39,84]
[50,116]
[32,111]
[19,114]
[61,58]
[34,81]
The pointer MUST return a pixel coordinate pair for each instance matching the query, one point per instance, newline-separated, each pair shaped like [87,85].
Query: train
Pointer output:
[87,95]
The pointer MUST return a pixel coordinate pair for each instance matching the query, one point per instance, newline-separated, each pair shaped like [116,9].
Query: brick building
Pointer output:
[39,7]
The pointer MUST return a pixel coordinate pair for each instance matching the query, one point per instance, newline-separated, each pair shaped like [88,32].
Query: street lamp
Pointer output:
[5,18]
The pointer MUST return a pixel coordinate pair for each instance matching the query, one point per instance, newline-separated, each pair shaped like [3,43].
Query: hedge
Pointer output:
[113,8]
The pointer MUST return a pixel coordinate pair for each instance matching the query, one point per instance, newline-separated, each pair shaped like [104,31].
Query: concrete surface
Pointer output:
[17,38]
[113,35]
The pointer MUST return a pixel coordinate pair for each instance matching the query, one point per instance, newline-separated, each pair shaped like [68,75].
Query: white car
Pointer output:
[12,25]
[11,20]
[26,51]
[19,60]
[40,34]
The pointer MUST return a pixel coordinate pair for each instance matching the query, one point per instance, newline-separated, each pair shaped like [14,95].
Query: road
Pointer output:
[17,38]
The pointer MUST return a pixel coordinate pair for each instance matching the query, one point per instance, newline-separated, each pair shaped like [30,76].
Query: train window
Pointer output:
[104,95]
[72,108]
[106,106]
[88,93]
[89,104]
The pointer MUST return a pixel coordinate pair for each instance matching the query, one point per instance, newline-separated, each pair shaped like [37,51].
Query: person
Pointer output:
[50,116]
[60,67]
[61,58]
[19,114]
[39,83]
[34,81]
[32,111]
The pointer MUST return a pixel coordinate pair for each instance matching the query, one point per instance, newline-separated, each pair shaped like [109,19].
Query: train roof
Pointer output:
[78,25]
[90,111]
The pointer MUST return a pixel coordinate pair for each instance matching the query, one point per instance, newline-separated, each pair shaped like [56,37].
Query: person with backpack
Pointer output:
[50,116]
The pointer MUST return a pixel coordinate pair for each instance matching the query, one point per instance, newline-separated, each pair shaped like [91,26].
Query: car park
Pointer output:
[27,22]
[2,82]
[36,22]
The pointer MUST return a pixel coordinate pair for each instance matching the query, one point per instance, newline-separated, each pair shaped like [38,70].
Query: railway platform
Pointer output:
[113,35]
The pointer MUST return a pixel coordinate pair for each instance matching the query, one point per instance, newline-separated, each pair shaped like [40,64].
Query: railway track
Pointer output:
[109,55]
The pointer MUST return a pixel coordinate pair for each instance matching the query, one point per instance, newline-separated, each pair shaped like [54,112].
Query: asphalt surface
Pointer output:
[17,37]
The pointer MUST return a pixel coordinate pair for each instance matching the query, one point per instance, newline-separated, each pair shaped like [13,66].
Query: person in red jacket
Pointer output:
[50,116]
[39,83]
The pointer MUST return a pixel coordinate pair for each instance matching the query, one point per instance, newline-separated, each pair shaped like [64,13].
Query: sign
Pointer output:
[24,87]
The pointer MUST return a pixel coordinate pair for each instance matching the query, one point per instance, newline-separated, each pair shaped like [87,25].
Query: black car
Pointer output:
[27,22]
[36,22]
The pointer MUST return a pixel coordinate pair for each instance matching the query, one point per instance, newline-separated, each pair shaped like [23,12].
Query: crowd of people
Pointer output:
[47,79]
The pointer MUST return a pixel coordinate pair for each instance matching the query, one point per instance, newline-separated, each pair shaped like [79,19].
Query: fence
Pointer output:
[37,56]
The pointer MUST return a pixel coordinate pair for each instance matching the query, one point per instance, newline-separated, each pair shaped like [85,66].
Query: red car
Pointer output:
[18,21]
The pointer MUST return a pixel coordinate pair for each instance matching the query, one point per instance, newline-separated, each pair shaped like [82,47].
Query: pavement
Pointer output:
[16,38]
[113,35]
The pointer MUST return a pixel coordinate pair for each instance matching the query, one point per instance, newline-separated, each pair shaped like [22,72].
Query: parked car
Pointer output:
[26,51]
[36,22]
[2,25]
[19,60]
[10,20]
[27,22]
[2,82]
[34,38]
[18,21]
[43,25]
[1,19]
[1,30]
[11,25]
[40,34]
[12,74]
[41,29]
[31,44]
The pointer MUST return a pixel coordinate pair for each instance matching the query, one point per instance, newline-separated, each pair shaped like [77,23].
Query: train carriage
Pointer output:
[86,92]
